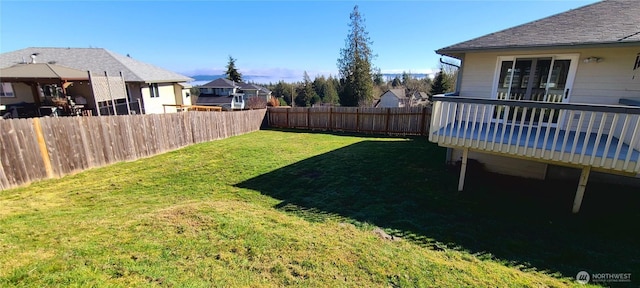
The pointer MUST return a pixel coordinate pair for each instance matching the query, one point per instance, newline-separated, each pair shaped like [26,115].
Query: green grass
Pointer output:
[276,208]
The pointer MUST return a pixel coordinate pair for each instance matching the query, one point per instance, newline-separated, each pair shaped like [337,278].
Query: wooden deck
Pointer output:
[602,137]
[584,148]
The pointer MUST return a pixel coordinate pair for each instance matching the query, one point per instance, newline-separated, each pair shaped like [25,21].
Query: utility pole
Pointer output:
[293,103]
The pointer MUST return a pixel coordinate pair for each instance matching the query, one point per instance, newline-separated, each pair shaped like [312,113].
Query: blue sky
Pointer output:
[279,39]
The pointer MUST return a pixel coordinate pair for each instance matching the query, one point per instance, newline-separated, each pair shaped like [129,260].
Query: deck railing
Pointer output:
[606,137]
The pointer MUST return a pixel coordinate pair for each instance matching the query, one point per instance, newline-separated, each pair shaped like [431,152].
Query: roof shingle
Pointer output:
[96,60]
[606,22]
[221,83]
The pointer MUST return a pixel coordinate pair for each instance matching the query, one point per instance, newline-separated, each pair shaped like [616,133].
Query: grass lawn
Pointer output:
[275,208]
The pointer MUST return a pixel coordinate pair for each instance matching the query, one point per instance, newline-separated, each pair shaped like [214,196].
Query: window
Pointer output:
[6,90]
[153,90]
[546,78]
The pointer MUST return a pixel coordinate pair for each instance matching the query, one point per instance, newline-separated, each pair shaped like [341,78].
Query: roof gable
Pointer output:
[96,60]
[606,22]
[398,93]
[248,86]
[221,83]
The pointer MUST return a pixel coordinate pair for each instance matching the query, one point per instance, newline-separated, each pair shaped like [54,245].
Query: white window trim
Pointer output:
[572,70]
[7,90]
[154,90]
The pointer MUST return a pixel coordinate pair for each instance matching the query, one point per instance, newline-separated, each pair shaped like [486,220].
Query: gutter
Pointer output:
[449,154]
[459,77]
[450,51]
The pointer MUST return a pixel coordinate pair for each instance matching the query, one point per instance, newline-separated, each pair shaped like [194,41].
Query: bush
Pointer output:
[273,102]
[256,103]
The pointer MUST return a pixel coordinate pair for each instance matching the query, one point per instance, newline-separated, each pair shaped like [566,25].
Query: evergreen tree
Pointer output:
[306,92]
[406,78]
[278,90]
[319,86]
[396,82]
[195,91]
[331,91]
[440,85]
[354,64]
[232,73]
[378,80]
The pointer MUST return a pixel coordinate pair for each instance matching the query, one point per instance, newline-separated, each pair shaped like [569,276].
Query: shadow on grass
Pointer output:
[405,188]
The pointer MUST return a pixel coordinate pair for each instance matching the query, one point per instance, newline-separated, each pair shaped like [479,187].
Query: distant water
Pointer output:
[204,79]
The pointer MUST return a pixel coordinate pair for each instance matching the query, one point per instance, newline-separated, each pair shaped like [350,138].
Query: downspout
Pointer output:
[459,77]
[449,155]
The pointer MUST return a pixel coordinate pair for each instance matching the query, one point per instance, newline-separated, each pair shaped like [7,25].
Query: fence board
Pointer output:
[79,143]
[390,121]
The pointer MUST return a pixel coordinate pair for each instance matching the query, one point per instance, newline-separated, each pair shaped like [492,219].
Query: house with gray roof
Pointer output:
[253,90]
[229,94]
[219,87]
[146,84]
[554,95]
[394,98]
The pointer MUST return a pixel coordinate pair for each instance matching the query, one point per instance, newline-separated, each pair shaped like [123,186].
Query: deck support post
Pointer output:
[463,168]
[584,177]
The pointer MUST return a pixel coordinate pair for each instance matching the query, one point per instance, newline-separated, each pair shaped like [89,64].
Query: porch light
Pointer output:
[592,59]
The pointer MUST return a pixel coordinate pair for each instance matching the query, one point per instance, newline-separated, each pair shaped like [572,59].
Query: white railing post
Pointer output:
[605,136]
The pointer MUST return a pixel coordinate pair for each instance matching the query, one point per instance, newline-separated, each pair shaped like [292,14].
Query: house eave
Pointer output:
[458,52]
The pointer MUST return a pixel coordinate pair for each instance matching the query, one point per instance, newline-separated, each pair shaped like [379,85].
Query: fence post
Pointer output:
[330,123]
[43,147]
[288,125]
[424,114]
[357,119]
[386,130]
[308,118]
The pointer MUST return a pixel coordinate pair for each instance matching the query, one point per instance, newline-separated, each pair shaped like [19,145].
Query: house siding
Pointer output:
[388,99]
[186,96]
[22,93]
[181,94]
[596,83]
[154,105]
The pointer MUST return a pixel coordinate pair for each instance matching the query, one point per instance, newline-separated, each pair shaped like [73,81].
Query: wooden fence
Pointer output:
[389,121]
[39,148]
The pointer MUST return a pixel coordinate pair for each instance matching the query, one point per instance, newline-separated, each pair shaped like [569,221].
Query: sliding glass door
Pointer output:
[540,78]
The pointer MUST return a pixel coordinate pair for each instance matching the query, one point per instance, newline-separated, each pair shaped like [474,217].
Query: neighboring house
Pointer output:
[219,87]
[146,84]
[229,94]
[221,92]
[536,98]
[252,90]
[420,96]
[393,98]
[226,102]
[419,99]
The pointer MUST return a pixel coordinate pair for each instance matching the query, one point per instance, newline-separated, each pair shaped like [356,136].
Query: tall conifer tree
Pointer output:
[354,64]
